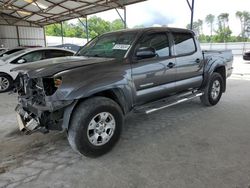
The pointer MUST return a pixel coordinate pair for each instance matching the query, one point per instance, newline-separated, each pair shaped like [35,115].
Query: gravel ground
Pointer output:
[188,145]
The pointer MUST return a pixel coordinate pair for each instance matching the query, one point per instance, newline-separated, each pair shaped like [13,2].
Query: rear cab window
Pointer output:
[158,41]
[184,44]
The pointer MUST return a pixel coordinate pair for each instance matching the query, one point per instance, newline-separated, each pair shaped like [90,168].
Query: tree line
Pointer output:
[96,27]
[220,30]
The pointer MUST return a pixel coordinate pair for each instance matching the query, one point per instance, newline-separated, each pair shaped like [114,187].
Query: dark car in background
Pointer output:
[69,47]
[246,56]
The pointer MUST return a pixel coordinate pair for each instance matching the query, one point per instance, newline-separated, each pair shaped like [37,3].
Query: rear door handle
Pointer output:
[197,60]
[170,65]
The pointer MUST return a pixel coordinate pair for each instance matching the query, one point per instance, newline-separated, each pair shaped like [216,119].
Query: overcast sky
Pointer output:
[176,13]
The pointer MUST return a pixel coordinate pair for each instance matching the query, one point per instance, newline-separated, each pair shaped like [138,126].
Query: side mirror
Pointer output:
[145,52]
[21,61]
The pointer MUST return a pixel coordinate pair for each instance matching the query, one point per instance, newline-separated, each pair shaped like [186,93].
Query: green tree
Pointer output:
[53,30]
[117,25]
[244,18]
[98,26]
[210,22]
[197,27]
[239,15]
[200,24]
[223,32]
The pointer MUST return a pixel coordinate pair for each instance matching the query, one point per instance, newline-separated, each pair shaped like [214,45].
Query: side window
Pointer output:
[184,43]
[57,53]
[158,41]
[33,56]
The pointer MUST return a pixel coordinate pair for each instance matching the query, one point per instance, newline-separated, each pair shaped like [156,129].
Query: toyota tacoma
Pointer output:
[138,70]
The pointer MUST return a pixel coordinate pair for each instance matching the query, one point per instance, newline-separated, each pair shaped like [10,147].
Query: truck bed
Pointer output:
[225,55]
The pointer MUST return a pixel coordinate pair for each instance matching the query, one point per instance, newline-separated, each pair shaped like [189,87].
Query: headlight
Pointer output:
[51,85]
[57,82]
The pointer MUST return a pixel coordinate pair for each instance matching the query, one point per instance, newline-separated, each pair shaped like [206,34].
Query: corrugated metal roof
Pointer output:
[44,12]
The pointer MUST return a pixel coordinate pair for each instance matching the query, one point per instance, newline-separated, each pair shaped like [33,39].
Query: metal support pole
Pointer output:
[125,18]
[62,33]
[44,35]
[85,25]
[18,37]
[87,29]
[192,13]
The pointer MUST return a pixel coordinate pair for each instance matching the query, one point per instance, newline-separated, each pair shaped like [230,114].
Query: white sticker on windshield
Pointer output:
[121,47]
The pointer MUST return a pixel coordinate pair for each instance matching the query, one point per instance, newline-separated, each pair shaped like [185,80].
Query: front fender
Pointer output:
[124,100]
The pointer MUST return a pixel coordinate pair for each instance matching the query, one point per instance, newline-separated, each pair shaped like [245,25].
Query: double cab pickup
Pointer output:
[139,70]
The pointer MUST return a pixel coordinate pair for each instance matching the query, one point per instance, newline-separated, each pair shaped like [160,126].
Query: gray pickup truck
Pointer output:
[138,70]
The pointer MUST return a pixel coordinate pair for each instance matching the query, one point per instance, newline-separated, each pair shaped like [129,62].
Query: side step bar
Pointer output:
[163,104]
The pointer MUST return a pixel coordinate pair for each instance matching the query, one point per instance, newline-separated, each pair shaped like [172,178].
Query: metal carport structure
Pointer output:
[39,13]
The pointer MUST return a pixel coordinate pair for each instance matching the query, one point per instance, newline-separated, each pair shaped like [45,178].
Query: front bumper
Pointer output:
[26,122]
[32,118]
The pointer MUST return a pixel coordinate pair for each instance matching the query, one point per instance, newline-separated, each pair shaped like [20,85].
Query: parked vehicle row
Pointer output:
[17,57]
[138,70]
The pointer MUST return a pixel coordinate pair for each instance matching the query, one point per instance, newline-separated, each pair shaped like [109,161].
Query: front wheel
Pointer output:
[95,126]
[213,91]
[6,82]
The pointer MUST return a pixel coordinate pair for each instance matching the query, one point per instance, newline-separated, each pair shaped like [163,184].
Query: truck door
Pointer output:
[189,62]
[151,75]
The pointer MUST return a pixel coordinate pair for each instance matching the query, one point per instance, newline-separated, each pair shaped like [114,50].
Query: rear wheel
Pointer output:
[6,82]
[95,126]
[213,91]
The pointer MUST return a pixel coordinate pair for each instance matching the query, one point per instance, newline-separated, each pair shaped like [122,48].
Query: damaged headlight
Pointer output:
[51,85]
[57,82]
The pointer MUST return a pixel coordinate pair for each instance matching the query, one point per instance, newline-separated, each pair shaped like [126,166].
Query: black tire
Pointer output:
[207,98]
[9,80]
[82,116]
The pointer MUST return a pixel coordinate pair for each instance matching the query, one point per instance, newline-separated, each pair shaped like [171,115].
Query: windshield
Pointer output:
[113,45]
[16,54]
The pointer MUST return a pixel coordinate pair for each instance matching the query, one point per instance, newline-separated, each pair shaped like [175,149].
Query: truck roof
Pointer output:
[159,29]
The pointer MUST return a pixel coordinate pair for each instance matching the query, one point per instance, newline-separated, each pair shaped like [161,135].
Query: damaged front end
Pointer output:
[38,109]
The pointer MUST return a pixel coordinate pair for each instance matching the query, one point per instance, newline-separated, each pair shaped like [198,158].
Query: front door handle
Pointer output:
[170,65]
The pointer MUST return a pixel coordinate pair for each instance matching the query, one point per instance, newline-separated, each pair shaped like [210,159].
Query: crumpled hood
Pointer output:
[50,67]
